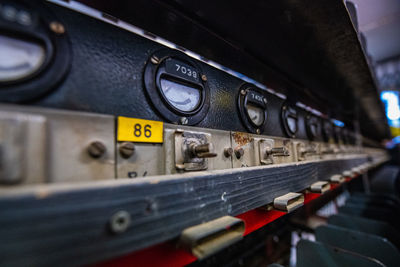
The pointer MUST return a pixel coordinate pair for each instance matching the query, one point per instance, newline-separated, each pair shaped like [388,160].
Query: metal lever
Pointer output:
[202,150]
[309,151]
[278,151]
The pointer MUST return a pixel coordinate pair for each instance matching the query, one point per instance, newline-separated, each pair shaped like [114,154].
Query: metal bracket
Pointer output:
[191,150]
[208,238]
[289,202]
[268,151]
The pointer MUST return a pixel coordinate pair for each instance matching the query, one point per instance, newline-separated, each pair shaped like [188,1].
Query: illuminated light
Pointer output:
[391,100]
[338,123]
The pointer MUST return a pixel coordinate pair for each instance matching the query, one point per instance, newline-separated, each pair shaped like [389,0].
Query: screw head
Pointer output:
[119,222]
[96,149]
[258,131]
[126,149]
[57,27]
[228,152]
[184,120]
[243,92]
[204,77]
[155,60]
[239,152]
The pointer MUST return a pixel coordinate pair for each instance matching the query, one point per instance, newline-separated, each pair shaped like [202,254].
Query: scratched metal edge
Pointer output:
[69,227]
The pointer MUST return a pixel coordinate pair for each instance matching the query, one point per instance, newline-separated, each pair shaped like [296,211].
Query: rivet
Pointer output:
[243,92]
[96,149]
[258,131]
[57,27]
[183,120]
[228,152]
[155,60]
[204,77]
[239,152]
[119,222]
[126,149]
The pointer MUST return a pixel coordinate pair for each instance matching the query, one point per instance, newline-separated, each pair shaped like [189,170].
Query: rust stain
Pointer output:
[242,138]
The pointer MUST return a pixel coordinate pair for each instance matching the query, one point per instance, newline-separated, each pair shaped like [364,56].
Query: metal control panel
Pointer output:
[50,146]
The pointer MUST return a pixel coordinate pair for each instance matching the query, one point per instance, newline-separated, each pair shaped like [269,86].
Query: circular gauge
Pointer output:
[19,58]
[176,87]
[312,126]
[327,130]
[180,96]
[289,120]
[256,114]
[33,57]
[252,108]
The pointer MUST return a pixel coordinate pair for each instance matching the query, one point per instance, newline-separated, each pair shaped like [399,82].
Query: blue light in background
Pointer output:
[338,123]
[391,101]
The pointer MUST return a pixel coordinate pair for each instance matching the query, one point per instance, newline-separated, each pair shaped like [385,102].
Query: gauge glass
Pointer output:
[292,124]
[19,58]
[182,97]
[313,129]
[256,114]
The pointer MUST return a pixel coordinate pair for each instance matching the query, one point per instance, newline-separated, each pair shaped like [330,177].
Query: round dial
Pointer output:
[256,114]
[289,120]
[19,58]
[182,97]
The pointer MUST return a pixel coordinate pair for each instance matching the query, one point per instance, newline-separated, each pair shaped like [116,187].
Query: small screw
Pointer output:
[204,77]
[228,152]
[183,120]
[126,149]
[155,60]
[119,222]
[258,131]
[57,27]
[239,152]
[96,149]
[243,92]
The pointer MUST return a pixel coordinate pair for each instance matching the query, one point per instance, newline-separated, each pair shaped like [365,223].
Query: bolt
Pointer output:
[155,60]
[96,149]
[203,150]
[183,120]
[228,152]
[239,152]
[119,222]
[126,149]
[57,27]
[243,92]
[258,131]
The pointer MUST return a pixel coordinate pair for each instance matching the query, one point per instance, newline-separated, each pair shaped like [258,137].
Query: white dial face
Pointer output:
[256,114]
[292,124]
[19,58]
[182,97]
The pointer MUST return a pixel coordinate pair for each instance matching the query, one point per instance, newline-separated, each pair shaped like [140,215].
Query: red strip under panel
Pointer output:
[167,254]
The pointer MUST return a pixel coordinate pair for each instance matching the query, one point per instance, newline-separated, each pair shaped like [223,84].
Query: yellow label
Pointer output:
[138,130]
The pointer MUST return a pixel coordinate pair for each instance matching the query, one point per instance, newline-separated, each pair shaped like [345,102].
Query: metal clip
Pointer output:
[337,179]
[289,202]
[208,238]
[320,187]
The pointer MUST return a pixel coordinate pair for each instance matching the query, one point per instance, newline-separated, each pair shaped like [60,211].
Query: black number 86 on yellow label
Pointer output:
[138,130]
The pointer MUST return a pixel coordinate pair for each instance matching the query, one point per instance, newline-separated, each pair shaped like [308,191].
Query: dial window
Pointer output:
[19,58]
[256,114]
[182,97]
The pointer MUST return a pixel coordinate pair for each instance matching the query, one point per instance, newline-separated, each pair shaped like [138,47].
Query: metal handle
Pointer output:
[203,150]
